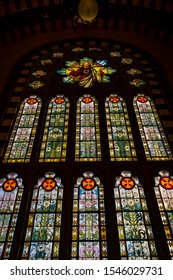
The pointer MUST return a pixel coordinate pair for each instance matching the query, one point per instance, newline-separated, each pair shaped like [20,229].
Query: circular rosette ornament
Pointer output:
[142,99]
[126,180]
[114,99]
[164,180]
[88,184]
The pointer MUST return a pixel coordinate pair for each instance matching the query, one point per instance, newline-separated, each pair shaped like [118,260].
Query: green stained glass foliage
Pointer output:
[11,191]
[21,141]
[88,146]
[88,221]
[54,143]
[134,226]
[121,144]
[153,137]
[44,223]
[164,194]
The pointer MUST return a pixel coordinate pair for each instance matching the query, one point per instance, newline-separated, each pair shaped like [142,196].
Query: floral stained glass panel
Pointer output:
[54,143]
[88,146]
[21,141]
[11,191]
[44,223]
[134,226]
[121,144]
[164,194]
[88,222]
[153,137]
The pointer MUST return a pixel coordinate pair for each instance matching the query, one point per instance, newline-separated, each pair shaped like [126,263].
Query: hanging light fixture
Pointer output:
[87,11]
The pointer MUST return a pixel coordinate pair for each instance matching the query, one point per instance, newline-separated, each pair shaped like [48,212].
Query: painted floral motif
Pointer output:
[46,61]
[134,226]
[44,223]
[164,194]
[39,73]
[88,226]
[78,49]
[11,191]
[86,72]
[58,54]
[95,49]
[133,72]
[36,84]
[137,82]
[115,54]
[126,60]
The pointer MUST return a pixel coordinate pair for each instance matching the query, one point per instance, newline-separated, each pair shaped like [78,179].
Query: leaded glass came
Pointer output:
[153,137]
[88,146]
[11,191]
[54,143]
[164,194]
[44,223]
[121,145]
[134,226]
[88,221]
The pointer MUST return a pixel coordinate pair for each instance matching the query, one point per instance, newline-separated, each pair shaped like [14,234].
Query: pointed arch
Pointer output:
[164,195]
[121,144]
[54,143]
[88,146]
[135,232]
[22,137]
[88,222]
[11,191]
[44,223]
[155,144]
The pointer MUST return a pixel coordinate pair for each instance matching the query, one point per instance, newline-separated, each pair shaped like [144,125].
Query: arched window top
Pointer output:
[54,143]
[164,194]
[11,191]
[44,222]
[153,137]
[88,146]
[21,140]
[88,222]
[121,144]
[134,226]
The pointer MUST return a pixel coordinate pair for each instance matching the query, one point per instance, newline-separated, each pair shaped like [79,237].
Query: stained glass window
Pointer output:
[88,146]
[134,226]
[88,221]
[44,222]
[164,194]
[121,145]
[86,71]
[11,191]
[21,141]
[54,143]
[153,137]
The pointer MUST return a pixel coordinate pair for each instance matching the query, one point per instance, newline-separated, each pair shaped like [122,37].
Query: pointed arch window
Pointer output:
[153,137]
[88,222]
[44,223]
[164,194]
[54,143]
[88,146]
[11,191]
[121,144]
[22,138]
[134,226]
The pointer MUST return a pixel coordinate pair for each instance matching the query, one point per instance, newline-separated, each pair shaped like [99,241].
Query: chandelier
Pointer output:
[87,11]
